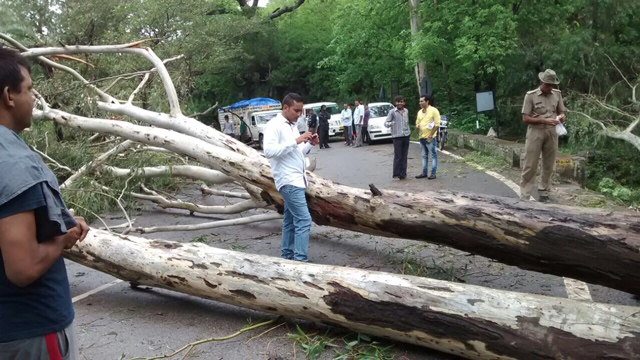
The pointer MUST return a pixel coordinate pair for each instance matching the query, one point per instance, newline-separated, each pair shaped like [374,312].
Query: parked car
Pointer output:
[257,123]
[335,123]
[376,128]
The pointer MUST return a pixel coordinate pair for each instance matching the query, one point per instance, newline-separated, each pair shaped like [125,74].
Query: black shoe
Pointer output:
[432,177]
[421,176]
[327,147]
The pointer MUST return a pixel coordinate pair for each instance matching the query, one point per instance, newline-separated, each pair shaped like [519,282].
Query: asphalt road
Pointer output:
[118,322]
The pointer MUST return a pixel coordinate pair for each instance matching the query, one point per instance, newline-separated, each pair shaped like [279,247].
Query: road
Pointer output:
[114,321]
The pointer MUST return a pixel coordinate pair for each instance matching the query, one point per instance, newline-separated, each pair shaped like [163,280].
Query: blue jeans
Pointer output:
[296,224]
[427,147]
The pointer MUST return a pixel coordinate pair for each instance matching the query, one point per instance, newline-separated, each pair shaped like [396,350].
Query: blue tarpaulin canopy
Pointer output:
[252,102]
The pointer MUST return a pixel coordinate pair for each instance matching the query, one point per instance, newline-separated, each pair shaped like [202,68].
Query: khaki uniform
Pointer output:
[541,139]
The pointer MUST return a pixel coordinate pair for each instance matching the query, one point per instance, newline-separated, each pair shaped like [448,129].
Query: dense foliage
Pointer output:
[336,50]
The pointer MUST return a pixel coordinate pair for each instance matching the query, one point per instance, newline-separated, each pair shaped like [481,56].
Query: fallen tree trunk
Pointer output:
[465,320]
[591,245]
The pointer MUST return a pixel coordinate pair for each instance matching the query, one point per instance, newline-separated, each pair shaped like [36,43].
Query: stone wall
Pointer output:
[568,167]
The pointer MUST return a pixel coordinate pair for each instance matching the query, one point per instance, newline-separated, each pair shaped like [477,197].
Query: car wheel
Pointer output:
[261,141]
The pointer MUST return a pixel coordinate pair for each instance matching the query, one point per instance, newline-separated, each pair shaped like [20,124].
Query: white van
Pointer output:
[376,128]
[335,123]
[257,121]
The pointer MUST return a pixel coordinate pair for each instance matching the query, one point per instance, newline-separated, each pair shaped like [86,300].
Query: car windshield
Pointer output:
[380,110]
[331,109]
[262,119]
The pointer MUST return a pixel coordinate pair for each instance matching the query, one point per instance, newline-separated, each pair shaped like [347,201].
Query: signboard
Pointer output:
[484,101]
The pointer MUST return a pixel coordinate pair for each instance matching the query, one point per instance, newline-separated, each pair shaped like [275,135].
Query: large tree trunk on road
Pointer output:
[596,246]
[465,320]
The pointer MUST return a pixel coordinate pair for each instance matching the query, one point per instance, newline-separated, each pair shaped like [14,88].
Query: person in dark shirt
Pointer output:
[365,125]
[36,312]
[323,127]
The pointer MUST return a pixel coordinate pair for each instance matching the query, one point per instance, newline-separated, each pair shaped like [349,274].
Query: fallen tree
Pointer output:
[464,320]
[596,246]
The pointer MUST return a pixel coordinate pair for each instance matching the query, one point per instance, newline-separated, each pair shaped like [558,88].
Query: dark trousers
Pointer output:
[323,135]
[365,135]
[348,134]
[400,154]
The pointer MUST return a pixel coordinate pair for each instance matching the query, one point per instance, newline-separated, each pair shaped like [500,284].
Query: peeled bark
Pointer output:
[596,246]
[465,320]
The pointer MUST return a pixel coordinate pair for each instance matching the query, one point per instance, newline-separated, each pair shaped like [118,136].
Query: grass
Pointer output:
[201,239]
[237,247]
[410,264]
[354,346]
[312,345]
[487,161]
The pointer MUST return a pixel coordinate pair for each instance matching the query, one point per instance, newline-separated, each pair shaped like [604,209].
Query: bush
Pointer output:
[611,188]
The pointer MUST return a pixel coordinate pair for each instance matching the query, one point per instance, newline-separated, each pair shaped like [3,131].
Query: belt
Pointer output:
[541,126]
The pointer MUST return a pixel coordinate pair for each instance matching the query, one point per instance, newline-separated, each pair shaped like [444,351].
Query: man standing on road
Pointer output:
[398,121]
[427,123]
[365,125]
[358,119]
[312,121]
[36,313]
[542,110]
[227,127]
[323,127]
[346,123]
[286,148]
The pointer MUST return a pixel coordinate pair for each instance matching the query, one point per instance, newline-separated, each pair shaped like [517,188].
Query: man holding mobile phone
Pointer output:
[286,151]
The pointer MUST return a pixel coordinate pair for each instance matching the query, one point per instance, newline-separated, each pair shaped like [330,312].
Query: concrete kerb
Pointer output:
[568,167]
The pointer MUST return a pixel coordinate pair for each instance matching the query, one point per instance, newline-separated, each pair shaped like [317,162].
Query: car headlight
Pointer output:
[373,127]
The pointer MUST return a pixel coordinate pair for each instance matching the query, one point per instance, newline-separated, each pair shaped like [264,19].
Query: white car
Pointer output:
[257,123]
[376,128]
[335,123]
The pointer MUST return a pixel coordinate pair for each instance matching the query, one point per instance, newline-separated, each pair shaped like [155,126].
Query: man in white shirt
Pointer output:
[228,127]
[358,119]
[286,148]
[346,117]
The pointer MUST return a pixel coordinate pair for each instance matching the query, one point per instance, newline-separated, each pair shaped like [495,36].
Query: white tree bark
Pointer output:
[415,22]
[96,162]
[209,191]
[213,224]
[193,208]
[464,320]
[186,171]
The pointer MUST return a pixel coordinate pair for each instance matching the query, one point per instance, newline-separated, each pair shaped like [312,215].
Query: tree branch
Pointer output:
[209,191]
[131,48]
[96,162]
[103,95]
[204,112]
[286,9]
[186,171]
[165,203]
[211,225]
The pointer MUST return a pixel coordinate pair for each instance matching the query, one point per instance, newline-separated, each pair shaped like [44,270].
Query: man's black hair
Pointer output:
[323,107]
[398,98]
[10,73]
[291,98]
[427,98]
[226,117]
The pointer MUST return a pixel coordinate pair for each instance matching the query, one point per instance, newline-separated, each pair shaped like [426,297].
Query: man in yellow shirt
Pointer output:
[427,123]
